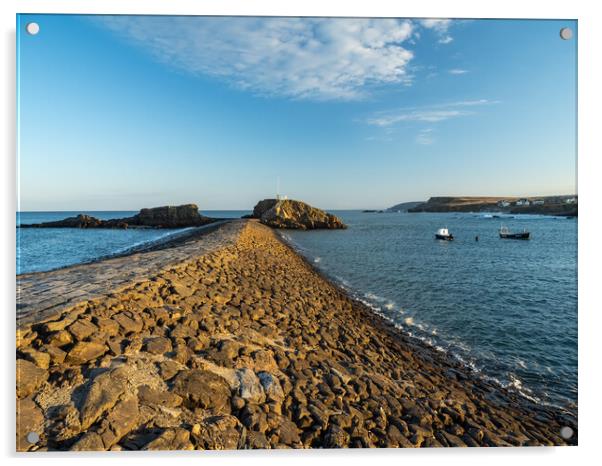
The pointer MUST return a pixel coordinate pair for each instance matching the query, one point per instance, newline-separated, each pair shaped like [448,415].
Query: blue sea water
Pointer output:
[507,308]
[51,248]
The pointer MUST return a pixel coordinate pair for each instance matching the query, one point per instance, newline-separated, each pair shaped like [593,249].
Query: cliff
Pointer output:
[552,205]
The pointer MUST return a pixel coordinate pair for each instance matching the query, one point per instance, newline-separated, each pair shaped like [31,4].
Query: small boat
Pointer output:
[444,234]
[507,234]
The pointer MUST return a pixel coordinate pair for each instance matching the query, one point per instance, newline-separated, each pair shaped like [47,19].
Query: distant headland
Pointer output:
[561,205]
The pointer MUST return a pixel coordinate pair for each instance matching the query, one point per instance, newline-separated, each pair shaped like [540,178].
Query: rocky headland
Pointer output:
[552,205]
[181,216]
[245,345]
[297,215]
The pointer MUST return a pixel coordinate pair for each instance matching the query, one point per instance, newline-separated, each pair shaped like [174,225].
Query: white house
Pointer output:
[522,202]
[503,203]
[570,200]
[538,202]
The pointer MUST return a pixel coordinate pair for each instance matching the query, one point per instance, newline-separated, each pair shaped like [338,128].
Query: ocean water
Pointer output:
[506,308]
[42,249]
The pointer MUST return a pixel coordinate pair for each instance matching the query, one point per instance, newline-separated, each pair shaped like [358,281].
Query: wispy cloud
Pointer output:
[301,58]
[441,28]
[425,137]
[429,114]
[457,71]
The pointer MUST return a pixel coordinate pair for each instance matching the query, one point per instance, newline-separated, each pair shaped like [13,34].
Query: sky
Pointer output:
[125,112]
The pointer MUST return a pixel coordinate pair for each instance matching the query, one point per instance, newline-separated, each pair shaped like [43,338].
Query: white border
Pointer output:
[589,226]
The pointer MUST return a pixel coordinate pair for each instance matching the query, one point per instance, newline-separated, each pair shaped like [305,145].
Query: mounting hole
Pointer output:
[33,437]
[566,432]
[32,28]
[566,33]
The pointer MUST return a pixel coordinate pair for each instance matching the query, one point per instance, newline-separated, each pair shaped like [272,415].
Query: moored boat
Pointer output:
[505,233]
[444,234]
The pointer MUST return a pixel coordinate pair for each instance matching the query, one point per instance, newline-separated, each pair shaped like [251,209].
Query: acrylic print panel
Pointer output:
[239,232]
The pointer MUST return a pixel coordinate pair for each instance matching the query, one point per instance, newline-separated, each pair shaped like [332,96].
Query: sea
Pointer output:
[505,308]
[42,249]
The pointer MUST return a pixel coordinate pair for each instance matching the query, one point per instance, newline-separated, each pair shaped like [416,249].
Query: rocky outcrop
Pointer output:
[181,216]
[171,217]
[263,206]
[294,215]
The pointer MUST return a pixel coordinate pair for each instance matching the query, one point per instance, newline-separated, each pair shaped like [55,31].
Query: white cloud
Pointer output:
[457,71]
[441,28]
[439,25]
[293,57]
[428,114]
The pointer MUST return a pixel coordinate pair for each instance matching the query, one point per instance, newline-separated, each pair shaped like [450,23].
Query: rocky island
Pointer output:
[297,215]
[232,340]
[181,216]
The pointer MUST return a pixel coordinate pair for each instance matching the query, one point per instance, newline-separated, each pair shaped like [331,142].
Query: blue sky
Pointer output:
[125,112]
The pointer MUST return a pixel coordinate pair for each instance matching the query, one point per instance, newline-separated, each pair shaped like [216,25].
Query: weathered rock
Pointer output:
[271,387]
[29,378]
[158,345]
[82,329]
[128,323]
[335,437]
[103,394]
[171,439]
[250,388]
[168,369]
[90,441]
[85,351]
[218,433]
[58,325]
[170,217]
[288,432]
[154,397]
[39,358]
[299,216]
[121,420]
[203,389]
[257,440]
[108,326]
[57,355]
[29,419]
[60,338]
[25,336]
[263,206]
